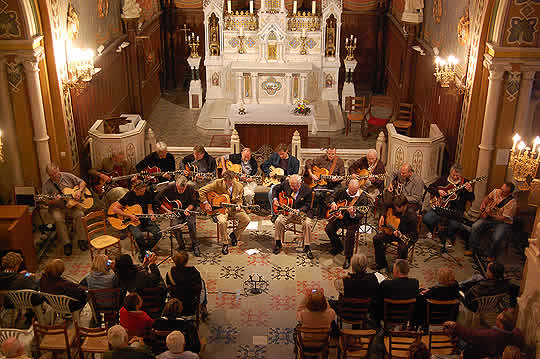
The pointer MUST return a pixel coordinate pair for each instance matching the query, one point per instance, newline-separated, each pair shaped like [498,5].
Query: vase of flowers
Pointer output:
[302,108]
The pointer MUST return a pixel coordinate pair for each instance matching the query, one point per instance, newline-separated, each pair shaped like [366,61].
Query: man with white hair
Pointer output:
[374,186]
[161,159]
[301,196]
[407,183]
[54,185]
[175,343]
[120,346]
[13,348]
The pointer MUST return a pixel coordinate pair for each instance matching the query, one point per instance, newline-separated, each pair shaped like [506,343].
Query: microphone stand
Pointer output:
[169,231]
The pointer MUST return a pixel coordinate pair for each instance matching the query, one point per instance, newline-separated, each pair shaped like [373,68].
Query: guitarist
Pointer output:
[498,211]
[230,186]
[112,166]
[301,194]
[408,226]
[370,162]
[412,187]
[141,195]
[201,160]
[334,165]
[280,159]
[351,219]
[54,185]
[431,218]
[181,191]
[161,159]
[249,167]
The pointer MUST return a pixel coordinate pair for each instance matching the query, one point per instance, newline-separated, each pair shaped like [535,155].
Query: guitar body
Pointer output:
[391,222]
[284,200]
[274,177]
[100,186]
[120,222]
[216,200]
[318,172]
[337,214]
[86,201]
[487,212]
[229,166]
[364,173]
[172,205]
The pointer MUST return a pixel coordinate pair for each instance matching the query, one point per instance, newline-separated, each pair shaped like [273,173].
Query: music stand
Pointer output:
[443,252]
[169,231]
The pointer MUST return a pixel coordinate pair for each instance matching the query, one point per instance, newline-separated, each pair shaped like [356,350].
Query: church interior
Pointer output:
[270,178]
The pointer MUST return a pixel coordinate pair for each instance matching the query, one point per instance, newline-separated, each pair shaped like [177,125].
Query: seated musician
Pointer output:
[56,183]
[161,159]
[228,185]
[280,159]
[301,195]
[335,166]
[498,211]
[353,196]
[201,160]
[432,218]
[249,168]
[141,195]
[374,186]
[113,166]
[187,199]
[402,217]
[407,183]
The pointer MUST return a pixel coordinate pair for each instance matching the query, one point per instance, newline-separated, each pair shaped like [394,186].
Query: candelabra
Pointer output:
[445,70]
[80,69]
[239,19]
[194,45]
[350,46]
[524,161]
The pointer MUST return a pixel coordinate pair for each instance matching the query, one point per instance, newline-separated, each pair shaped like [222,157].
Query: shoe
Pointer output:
[277,248]
[234,240]
[468,253]
[68,250]
[274,217]
[225,249]
[307,250]
[83,245]
[347,263]
[196,251]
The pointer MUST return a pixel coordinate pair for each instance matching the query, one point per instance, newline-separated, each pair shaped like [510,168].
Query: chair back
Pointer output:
[489,308]
[312,341]
[153,301]
[398,311]
[398,343]
[355,343]
[60,304]
[6,333]
[197,316]
[440,343]
[353,310]
[440,311]
[353,104]
[59,331]
[92,340]
[107,303]
[95,224]
[22,300]
[159,340]
[405,112]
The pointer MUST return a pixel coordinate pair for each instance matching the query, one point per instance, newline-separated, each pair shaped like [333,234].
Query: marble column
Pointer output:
[303,86]
[288,78]
[522,113]
[487,143]
[254,82]
[239,94]
[8,127]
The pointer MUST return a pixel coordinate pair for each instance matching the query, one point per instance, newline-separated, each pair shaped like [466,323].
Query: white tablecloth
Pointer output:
[266,114]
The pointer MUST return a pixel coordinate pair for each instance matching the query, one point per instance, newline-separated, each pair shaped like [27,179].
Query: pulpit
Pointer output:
[16,233]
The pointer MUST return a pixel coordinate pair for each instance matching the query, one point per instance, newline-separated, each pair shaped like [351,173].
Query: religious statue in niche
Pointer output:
[103,8]
[331,37]
[329,83]
[463,29]
[72,26]
[437,11]
[214,35]
[215,79]
[272,52]
[414,5]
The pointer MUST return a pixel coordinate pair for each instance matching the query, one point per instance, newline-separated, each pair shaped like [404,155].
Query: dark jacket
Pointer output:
[303,199]
[463,195]
[128,353]
[236,159]
[142,278]
[341,195]
[65,287]
[206,165]
[485,288]
[153,160]
[187,327]
[361,285]
[490,342]
[399,288]
[188,284]
[443,292]
[16,281]
[189,196]
[437,292]
[273,160]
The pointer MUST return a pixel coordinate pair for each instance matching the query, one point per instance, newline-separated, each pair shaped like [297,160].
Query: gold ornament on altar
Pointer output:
[463,29]
[445,70]
[194,45]
[331,37]
[214,36]
[103,8]
[350,46]
[524,161]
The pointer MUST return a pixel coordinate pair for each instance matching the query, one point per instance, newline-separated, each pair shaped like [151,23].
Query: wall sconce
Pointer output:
[350,46]
[445,70]
[524,161]
[80,69]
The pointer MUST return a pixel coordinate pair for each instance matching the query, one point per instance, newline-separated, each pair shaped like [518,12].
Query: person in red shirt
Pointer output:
[135,320]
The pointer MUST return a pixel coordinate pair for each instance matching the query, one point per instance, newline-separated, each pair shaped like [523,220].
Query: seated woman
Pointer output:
[135,320]
[171,319]
[187,284]
[314,311]
[52,282]
[101,275]
[134,278]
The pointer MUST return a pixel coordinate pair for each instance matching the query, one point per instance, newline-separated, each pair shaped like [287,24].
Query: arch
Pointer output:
[30,18]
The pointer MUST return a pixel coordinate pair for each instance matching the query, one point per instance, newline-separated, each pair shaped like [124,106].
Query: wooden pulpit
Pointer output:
[16,233]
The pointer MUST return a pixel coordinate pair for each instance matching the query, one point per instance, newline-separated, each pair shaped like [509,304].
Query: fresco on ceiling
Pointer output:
[521,28]
[10,21]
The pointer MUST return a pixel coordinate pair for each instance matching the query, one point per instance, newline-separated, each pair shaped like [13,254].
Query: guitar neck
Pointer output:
[234,205]
[121,178]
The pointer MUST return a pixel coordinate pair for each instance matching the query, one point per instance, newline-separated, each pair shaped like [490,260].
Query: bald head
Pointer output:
[12,348]
[371,156]
[295,181]
[406,170]
[354,186]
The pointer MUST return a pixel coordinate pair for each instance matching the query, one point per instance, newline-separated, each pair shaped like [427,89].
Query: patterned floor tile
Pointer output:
[225,334]
[251,352]
[283,273]
[283,336]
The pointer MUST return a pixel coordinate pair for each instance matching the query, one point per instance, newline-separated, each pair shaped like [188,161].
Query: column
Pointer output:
[239,79]
[41,138]
[524,101]
[487,143]
[254,89]
[303,86]
[10,135]
[288,78]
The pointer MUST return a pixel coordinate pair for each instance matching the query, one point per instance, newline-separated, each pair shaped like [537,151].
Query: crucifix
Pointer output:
[185,29]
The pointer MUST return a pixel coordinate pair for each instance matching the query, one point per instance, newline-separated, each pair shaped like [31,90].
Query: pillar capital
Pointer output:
[528,74]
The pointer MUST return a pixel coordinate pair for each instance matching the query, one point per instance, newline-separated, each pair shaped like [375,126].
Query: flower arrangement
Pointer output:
[302,108]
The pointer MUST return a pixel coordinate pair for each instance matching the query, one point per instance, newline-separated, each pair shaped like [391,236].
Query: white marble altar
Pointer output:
[195,86]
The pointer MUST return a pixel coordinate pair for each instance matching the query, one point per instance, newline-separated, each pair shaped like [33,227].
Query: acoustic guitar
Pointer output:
[222,202]
[344,206]
[191,170]
[99,185]
[391,224]
[276,175]
[451,192]
[121,222]
[86,200]
[175,206]
[284,206]
[238,170]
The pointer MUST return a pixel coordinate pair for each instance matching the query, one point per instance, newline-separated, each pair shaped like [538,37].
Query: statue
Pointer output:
[131,9]
[214,36]
[413,11]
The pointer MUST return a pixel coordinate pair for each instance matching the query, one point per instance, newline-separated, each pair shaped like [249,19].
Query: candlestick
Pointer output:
[313,7]
[197,38]
[251,6]
[303,32]
[346,41]
[241,31]
[355,40]
[282,5]
[229,6]
[294,7]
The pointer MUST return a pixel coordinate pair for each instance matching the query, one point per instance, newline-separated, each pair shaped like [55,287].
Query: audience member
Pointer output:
[101,275]
[13,348]
[400,287]
[511,352]
[490,342]
[171,319]
[418,350]
[187,284]
[135,278]
[135,320]
[120,348]
[447,288]
[478,286]
[52,282]
[314,311]
[12,279]
[175,344]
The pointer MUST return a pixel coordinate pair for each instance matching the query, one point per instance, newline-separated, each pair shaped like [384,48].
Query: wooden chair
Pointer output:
[105,305]
[153,301]
[489,308]
[353,311]
[397,343]
[197,316]
[95,228]
[60,306]
[92,340]
[439,343]
[440,311]
[6,333]
[380,111]
[311,342]
[22,301]
[356,111]
[398,311]
[403,123]
[159,337]
[355,343]
[56,338]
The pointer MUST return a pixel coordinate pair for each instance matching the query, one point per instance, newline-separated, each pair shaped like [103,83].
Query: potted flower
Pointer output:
[302,108]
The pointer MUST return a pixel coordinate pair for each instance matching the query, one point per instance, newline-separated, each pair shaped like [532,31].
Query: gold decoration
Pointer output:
[437,11]
[350,47]
[445,70]
[272,52]
[72,26]
[331,37]
[524,161]
[214,36]
[463,29]
[103,8]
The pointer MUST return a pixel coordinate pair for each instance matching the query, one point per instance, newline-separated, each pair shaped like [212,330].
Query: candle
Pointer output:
[346,41]
[355,40]
[282,5]
[313,7]
[521,147]
[189,38]
[251,6]
[535,143]
[294,7]
[303,32]
[351,37]
[229,6]
[516,138]
[241,31]
[197,38]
